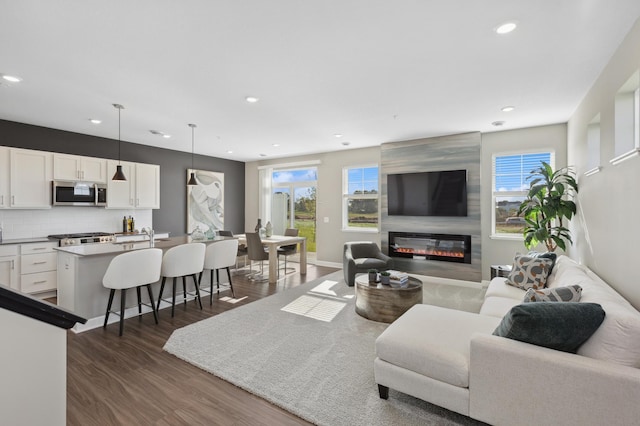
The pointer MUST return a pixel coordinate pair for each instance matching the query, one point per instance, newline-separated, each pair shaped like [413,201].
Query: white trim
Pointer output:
[288,165]
[593,171]
[328,264]
[620,158]
[508,237]
[365,230]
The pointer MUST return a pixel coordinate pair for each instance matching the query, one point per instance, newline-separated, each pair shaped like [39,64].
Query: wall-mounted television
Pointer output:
[441,193]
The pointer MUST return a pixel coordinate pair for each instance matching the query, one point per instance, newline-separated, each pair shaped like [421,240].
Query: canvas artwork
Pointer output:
[205,201]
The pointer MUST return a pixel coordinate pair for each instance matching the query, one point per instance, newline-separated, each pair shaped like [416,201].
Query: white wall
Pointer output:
[501,251]
[608,230]
[66,220]
[330,236]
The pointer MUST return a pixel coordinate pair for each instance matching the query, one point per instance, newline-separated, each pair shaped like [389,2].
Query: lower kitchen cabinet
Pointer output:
[9,266]
[38,267]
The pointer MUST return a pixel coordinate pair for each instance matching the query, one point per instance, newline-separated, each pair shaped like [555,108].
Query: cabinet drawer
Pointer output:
[38,263]
[41,281]
[34,248]
[10,250]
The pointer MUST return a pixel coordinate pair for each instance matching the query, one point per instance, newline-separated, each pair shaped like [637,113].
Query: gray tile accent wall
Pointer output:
[434,154]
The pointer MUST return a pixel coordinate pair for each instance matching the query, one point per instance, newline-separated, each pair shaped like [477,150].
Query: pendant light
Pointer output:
[119,175]
[192,179]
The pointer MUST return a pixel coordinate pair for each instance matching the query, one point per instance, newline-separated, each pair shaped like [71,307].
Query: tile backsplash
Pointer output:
[66,220]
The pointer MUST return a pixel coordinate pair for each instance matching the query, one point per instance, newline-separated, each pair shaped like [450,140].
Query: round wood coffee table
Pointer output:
[384,303]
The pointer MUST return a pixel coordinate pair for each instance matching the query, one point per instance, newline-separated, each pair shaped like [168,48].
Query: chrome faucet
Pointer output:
[151,233]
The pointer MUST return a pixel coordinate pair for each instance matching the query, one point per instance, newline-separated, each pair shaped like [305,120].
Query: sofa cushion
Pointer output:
[434,342]
[529,272]
[498,287]
[563,326]
[559,294]
[498,306]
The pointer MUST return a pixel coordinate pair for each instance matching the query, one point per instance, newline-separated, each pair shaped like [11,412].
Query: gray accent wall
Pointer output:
[172,215]
[453,152]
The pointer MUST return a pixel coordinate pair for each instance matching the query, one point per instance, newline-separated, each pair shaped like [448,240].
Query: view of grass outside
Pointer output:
[363,213]
[305,216]
[361,197]
[507,219]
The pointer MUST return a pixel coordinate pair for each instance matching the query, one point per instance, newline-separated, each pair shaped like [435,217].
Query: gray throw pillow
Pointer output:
[529,272]
[571,293]
[563,326]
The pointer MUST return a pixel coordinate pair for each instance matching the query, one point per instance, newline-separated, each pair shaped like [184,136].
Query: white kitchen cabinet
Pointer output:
[38,267]
[141,190]
[4,177]
[78,168]
[9,266]
[30,181]
[147,186]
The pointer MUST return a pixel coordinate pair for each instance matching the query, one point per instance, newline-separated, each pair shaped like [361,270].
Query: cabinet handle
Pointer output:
[39,248]
[137,202]
[2,200]
[13,264]
[39,282]
[13,200]
[39,263]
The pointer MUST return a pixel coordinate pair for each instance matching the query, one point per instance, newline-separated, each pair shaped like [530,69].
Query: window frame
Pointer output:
[346,197]
[499,194]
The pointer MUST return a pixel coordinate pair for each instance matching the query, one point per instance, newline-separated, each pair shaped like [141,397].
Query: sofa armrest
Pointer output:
[512,382]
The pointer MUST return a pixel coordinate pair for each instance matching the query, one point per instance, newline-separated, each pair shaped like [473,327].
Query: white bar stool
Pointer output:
[219,255]
[132,269]
[180,261]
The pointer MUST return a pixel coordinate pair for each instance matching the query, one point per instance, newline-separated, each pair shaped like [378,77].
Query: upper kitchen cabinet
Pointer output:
[141,190]
[4,178]
[78,168]
[30,179]
[147,186]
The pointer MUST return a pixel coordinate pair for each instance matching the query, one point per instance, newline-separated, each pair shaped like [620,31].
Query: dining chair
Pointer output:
[288,250]
[182,261]
[242,252]
[220,255]
[137,268]
[256,252]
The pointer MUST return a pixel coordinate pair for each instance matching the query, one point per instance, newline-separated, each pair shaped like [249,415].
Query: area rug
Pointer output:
[307,351]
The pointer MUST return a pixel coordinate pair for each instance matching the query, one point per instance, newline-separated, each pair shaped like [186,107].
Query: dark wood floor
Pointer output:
[129,380]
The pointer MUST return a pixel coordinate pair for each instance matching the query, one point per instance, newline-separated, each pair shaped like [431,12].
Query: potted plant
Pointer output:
[373,275]
[547,205]
[385,276]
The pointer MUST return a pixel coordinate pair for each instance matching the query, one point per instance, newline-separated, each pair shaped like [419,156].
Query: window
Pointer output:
[360,198]
[510,187]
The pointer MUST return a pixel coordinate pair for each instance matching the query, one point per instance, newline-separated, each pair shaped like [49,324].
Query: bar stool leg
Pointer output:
[161,291]
[106,316]
[210,289]
[153,306]
[173,300]
[184,289]
[197,284]
[230,283]
[123,296]
[139,302]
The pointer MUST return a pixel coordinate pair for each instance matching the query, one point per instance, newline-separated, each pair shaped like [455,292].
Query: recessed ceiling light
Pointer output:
[95,121]
[345,143]
[506,28]
[508,108]
[159,133]
[229,152]
[166,136]
[251,99]
[276,144]
[498,123]
[263,155]
[337,135]
[12,78]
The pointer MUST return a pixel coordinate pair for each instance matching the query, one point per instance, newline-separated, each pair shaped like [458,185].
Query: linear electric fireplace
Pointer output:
[445,247]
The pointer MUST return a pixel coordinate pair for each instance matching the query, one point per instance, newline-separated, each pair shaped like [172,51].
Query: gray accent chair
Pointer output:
[360,256]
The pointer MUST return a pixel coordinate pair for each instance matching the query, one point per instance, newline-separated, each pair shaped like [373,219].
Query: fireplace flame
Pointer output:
[430,252]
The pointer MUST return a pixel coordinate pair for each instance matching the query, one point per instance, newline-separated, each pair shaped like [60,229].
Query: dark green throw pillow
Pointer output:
[545,255]
[563,326]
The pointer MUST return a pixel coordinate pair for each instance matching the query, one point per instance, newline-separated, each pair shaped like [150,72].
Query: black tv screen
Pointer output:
[441,193]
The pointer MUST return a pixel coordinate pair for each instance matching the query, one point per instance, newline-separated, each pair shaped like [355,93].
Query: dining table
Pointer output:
[275,241]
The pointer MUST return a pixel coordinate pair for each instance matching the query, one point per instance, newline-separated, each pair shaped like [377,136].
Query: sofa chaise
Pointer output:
[452,359]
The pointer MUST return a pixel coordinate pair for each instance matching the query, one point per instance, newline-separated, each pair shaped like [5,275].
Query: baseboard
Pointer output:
[328,264]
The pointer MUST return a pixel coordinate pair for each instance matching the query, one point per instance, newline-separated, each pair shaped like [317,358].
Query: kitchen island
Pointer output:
[80,272]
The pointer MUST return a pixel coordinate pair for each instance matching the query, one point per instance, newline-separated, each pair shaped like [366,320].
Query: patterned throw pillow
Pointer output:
[529,272]
[549,255]
[559,294]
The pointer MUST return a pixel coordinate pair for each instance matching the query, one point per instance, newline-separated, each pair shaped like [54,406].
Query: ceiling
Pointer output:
[373,71]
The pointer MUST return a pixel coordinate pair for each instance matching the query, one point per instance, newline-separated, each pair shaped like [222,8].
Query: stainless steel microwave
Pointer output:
[79,193]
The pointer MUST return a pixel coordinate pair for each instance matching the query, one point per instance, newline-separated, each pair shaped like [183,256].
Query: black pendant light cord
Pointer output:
[192,179]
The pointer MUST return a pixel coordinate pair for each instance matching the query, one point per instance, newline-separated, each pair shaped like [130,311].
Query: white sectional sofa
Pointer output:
[450,358]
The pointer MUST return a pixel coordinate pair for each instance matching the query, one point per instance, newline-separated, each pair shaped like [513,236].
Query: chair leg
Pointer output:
[153,306]
[106,316]
[139,301]
[173,300]
[184,289]
[233,294]
[123,297]
[211,289]
[218,280]
[161,290]
[195,281]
